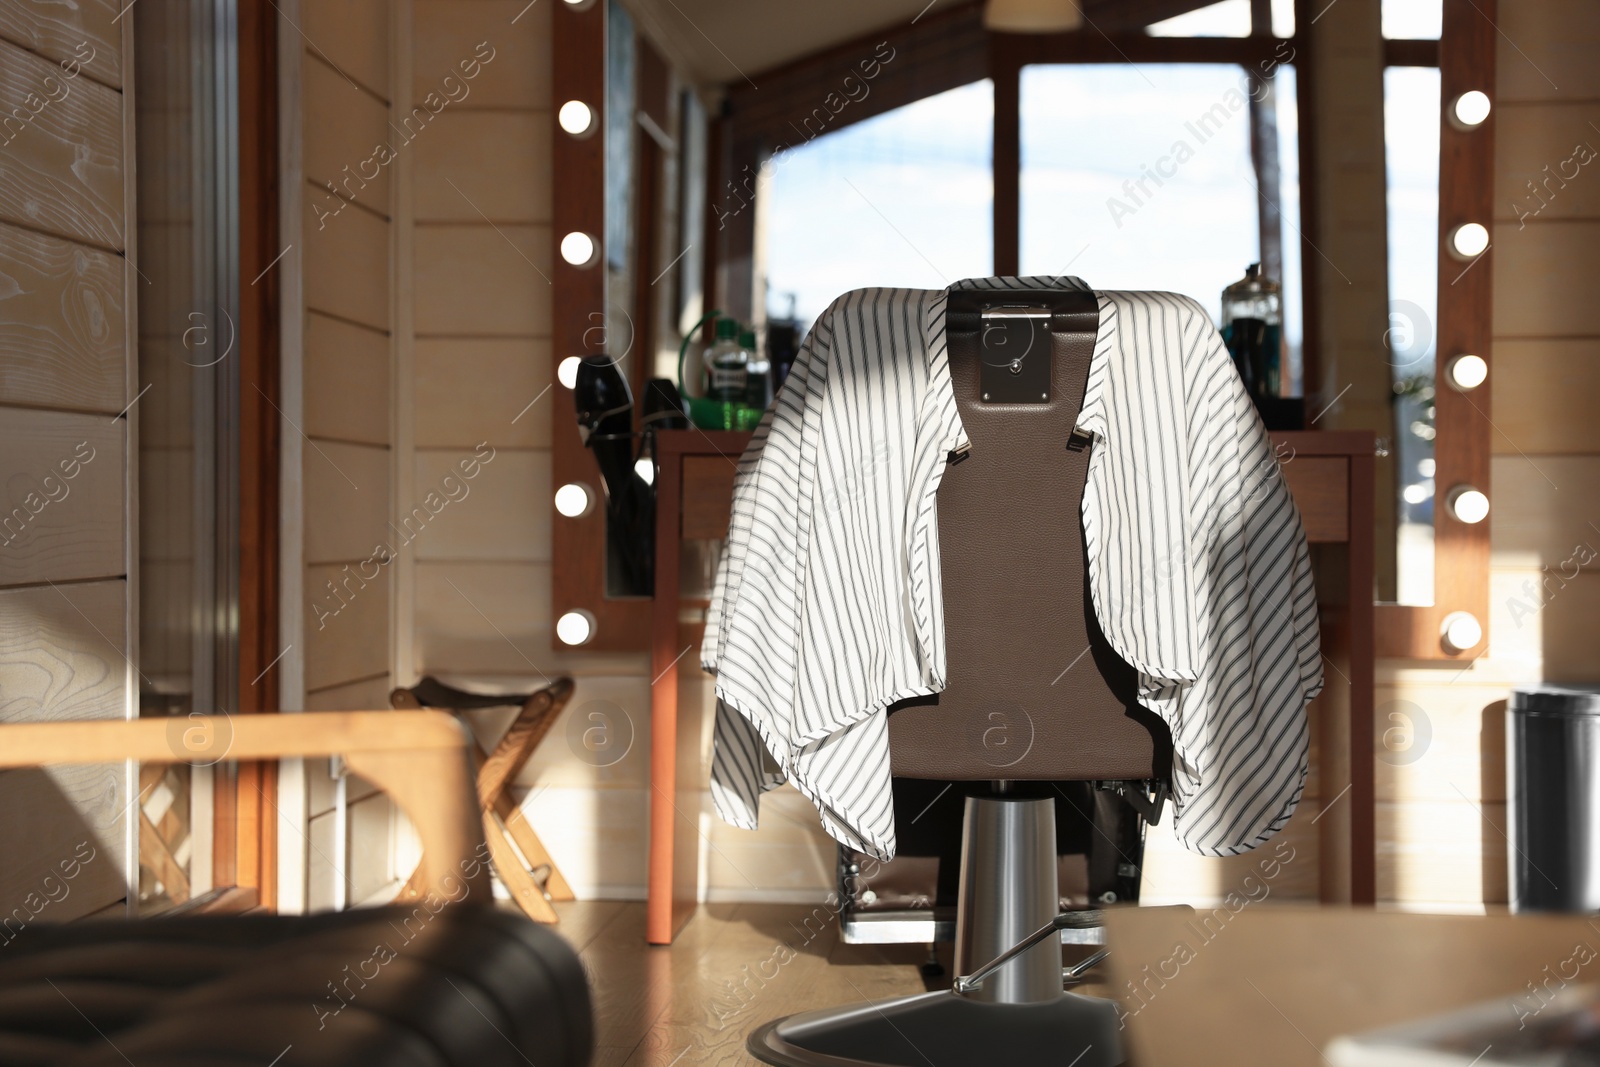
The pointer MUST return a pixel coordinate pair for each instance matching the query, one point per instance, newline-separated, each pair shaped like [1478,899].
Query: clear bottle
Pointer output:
[758,393]
[727,365]
[1252,327]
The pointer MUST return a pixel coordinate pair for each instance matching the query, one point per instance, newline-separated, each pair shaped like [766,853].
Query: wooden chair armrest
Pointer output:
[418,757]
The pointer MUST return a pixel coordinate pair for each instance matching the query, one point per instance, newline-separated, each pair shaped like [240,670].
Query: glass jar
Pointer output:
[1252,328]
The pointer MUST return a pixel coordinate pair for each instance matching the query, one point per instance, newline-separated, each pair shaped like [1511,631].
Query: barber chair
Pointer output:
[1037,707]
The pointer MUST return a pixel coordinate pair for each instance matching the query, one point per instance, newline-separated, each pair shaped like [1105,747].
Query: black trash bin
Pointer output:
[1553,798]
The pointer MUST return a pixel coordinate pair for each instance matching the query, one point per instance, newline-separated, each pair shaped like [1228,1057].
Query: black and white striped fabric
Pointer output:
[828,607]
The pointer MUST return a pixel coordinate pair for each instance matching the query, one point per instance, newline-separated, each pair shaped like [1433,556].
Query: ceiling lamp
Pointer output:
[1032,16]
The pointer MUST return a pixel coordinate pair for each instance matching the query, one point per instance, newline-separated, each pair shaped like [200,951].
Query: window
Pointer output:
[902,199]
[1230,18]
[1142,177]
[1413,19]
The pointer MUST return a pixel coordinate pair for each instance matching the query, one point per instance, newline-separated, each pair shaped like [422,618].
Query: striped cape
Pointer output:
[827,606]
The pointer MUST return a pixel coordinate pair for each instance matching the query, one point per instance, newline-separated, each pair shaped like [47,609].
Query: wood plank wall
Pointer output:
[1441,814]
[342,83]
[66,324]
[482,364]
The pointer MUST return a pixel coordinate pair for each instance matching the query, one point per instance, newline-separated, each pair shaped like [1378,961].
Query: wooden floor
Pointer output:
[733,967]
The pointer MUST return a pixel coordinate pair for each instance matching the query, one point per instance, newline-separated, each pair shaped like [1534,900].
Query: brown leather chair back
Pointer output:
[1034,691]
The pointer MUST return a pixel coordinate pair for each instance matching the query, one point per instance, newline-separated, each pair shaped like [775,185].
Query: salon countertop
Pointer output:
[1256,984]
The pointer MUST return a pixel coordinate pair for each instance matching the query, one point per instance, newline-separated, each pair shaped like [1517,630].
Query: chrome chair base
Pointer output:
[946,1029]
[1014,1011]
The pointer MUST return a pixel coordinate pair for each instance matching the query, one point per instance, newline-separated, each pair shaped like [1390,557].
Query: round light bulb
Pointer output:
[575,117]
[1467,372]
[1460,631]
[567,372]
[1471,108]
[646,470]
[573,500]
[1469,240]
[575,627]
[1469,505]
[578,248]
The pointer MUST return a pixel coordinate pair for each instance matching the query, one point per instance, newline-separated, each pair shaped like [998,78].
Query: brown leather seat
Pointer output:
[1034,691]
[397,986]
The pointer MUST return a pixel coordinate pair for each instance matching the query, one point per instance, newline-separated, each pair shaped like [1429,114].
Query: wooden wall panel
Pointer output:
[1173,875]
[371,865]
[1539,144]
[627,701]
[503,516]
[61,170]
[63,473]
[483,281]
[1544,279]
[473,165]
[60,31]
[166,508]
[62,323]
[347,501]
[343,127]
[61,653]
[368,694]
[1451,855]
[353,36]
[1546,51]
[347,626]
[469,388]
[449,32]
[1543,396]
[1567,622]
[62,659]
[55,527]
[347,265]
[347,374]
[368,866]
[1545,511]
[1440,741]
[493,620]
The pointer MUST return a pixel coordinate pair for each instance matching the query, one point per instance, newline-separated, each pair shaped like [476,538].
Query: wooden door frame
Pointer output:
[245,850]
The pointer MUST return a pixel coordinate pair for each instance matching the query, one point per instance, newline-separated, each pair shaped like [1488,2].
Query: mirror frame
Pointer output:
[577,328]
[1465,325]
[949,49]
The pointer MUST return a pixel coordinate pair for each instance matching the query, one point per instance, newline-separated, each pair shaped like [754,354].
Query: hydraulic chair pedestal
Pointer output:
[1016,1014]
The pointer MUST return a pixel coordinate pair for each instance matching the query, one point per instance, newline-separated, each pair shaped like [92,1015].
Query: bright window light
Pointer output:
[1230,18]
[1413,19]
[909,192]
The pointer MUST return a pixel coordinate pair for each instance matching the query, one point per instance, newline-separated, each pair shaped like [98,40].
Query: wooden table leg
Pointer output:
[664,912]
[1363,749]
